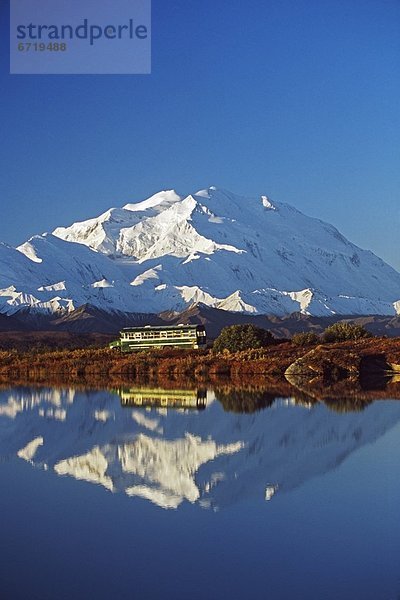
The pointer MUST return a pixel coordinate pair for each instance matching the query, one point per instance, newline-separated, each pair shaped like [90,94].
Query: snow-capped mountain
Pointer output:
[212,247]
[210,458]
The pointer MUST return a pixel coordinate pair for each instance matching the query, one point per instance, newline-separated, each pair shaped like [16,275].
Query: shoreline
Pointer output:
[350,359]
[359,371]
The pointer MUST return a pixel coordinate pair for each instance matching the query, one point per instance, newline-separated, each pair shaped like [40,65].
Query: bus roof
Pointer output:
[162,327]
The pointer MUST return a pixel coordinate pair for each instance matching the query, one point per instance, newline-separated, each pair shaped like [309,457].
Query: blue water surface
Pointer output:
[292,501]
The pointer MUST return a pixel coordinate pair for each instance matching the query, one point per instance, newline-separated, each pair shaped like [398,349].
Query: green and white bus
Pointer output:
[134,339]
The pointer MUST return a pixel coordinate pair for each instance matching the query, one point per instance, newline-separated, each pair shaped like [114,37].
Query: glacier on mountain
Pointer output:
[235,253]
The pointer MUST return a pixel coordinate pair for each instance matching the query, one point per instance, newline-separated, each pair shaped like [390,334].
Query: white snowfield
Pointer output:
[213,247]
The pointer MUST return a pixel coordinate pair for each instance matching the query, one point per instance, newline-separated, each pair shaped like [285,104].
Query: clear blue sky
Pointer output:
[296,99]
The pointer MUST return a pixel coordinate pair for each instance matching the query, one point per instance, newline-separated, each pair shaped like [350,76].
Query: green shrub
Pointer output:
[236,338]
[305,338]
[341,332]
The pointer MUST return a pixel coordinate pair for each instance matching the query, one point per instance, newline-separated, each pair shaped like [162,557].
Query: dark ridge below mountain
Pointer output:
[25,341]
[11,323]
[90,319]
[282,327]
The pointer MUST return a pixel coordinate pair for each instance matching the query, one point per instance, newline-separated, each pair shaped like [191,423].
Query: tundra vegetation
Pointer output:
[241,351]
[237,338]
[247,380]
[306,338]
[342,332]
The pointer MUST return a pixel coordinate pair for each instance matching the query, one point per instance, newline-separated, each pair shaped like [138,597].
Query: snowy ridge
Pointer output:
[213,247]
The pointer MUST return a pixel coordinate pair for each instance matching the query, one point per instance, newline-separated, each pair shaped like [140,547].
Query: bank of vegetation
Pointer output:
[343,351]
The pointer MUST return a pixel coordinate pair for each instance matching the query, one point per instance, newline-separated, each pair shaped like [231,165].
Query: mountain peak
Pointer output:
[237,253]
[161,199]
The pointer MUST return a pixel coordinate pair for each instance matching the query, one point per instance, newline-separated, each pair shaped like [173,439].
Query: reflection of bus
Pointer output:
[160,398]
[142,338]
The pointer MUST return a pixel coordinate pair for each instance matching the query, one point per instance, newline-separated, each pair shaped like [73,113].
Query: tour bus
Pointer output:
[133,339]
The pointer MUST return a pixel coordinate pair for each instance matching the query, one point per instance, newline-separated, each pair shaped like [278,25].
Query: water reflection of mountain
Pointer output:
[210,457]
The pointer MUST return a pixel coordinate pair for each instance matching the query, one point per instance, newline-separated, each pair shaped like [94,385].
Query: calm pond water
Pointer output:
[164,494]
